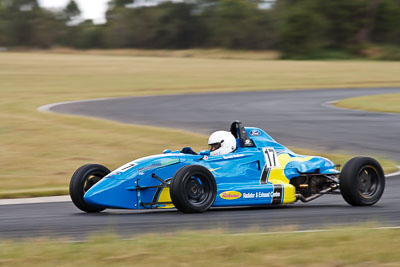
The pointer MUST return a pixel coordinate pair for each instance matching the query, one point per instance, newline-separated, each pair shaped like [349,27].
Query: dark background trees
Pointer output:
[295,27]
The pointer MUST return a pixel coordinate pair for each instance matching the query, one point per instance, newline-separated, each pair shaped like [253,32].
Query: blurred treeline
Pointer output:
[297,28]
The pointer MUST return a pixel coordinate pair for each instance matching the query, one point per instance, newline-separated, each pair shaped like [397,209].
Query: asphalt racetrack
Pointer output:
[293,118]
[297,118]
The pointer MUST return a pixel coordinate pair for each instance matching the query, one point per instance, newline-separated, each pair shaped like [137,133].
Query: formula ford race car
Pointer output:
[259,172]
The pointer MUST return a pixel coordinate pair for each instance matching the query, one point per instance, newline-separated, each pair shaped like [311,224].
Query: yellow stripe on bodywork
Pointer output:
[277,176]
[165,197]
[289,193]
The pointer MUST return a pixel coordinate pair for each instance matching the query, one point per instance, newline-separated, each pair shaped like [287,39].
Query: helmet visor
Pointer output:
[215,146]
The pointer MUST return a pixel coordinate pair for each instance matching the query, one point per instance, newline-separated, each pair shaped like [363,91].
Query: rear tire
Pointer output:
[193,189]
[82,180]
[362,181]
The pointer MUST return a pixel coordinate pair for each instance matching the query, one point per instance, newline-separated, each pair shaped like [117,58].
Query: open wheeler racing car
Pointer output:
[259,171]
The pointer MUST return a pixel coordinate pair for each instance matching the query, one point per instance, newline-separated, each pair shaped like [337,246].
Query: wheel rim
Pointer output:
[197,189]
[368,182]
[90,180]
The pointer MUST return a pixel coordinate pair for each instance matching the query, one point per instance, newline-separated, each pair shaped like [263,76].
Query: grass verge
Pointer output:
[216,53]
[355,246]
[378,103]
[39,152]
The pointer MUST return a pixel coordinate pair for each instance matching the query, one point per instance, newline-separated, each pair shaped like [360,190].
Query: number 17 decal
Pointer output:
[271,161]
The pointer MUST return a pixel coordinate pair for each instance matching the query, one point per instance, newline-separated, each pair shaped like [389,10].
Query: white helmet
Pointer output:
[221,143]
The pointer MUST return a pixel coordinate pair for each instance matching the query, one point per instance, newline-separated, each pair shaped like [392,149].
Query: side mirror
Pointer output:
[166,151]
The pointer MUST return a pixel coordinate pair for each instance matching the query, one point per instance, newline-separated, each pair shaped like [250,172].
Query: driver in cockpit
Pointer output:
[220,143]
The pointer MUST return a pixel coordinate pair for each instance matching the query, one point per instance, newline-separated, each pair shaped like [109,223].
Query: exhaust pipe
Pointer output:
[308,199]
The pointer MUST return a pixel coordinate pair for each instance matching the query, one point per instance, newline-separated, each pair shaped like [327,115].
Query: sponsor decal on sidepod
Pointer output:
[230,195]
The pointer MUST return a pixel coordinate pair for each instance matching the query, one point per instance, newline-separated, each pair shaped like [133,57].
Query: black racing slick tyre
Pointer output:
[193,189]
[362,181]
[82,180]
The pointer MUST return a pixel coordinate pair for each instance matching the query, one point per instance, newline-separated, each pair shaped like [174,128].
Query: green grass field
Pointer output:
[349,247]
[379,103]
[39,152]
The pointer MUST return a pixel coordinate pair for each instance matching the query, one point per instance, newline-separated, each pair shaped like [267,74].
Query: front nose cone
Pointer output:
[111,193]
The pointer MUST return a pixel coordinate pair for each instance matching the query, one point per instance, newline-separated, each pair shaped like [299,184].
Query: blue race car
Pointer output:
[244,167]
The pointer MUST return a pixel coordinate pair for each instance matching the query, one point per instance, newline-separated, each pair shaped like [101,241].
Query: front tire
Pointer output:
[362,181]
[82,180]
[193,189]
